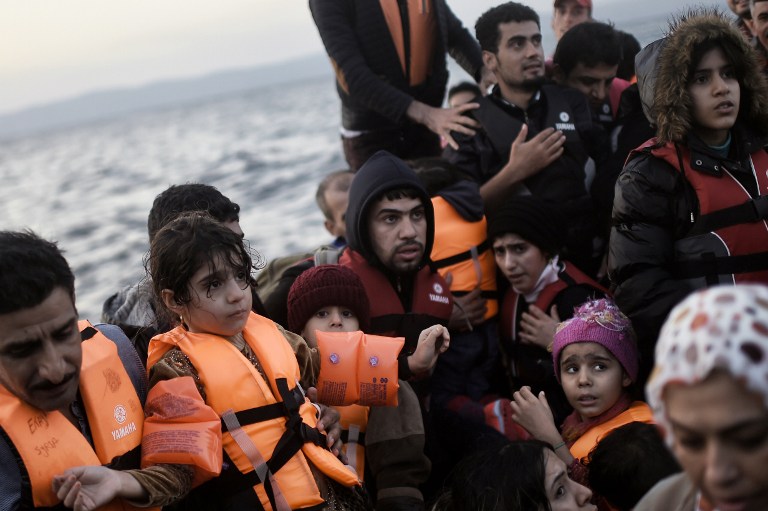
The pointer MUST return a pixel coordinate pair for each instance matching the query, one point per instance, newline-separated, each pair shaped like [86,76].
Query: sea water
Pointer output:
[91,187]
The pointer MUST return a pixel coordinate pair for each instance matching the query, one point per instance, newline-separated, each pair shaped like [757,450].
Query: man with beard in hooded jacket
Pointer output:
[390,231]
[691,205]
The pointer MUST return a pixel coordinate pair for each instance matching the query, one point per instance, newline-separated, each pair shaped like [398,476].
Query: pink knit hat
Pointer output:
[599,321]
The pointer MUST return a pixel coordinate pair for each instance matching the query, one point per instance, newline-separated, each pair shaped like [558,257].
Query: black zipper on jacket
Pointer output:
[406,22]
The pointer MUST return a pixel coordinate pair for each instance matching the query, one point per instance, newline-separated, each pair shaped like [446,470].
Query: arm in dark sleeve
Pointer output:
[10,477]
[462,45]
[334,22]
[475,156]
[641,250]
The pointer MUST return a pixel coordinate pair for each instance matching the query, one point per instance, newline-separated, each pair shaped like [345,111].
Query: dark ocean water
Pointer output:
[91,187]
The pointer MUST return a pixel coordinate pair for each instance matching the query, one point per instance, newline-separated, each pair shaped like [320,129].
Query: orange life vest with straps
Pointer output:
[637,412]
[354,421]
[48,443]
[431,301]
[269,427]
[462,249]
[728,239]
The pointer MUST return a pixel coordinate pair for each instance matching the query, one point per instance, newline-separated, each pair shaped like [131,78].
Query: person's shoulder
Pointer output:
[675,493]
[132,305]
[128,356]
[569,94]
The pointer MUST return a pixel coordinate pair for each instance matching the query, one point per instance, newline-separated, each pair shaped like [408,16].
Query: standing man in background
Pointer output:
[391,73]
[759,14]
[569,13]
[743,19]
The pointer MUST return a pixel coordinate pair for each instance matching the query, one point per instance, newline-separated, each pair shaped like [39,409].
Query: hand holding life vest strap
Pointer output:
[180,428]
[357,368]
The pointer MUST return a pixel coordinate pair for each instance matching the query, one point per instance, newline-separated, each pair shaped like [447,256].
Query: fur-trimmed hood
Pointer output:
[663,69]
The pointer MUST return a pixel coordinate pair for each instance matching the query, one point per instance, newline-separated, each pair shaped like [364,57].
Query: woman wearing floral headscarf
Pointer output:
[709,393]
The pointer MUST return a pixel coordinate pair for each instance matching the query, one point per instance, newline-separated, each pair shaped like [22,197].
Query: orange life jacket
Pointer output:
[354,421]
[278,421]
[48,443]
[637,412]
[462,248]
[431,301]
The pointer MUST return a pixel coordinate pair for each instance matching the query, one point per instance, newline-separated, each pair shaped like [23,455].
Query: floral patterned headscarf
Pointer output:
[723,327]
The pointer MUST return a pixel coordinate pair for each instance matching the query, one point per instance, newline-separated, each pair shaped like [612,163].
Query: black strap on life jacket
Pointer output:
[360,437]
[749,211]
[296,434]
[487,294]
[87,333]
[710,266]
[460,257]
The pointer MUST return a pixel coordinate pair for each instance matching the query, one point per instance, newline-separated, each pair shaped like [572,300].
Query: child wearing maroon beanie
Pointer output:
[596,361]
[331,298]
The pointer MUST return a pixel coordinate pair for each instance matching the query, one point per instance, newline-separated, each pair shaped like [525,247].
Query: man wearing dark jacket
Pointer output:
[391,73]
[390,230]
[535,138]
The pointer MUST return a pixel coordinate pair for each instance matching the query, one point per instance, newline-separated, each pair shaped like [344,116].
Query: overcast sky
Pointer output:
[55,49]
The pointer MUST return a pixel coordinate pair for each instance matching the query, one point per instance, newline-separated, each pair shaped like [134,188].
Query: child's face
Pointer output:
[333,318]
[221,300]
[520,261]
[592,378]
[715,92]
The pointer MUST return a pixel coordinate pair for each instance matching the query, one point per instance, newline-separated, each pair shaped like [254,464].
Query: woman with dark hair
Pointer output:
[527,238]
[518,476]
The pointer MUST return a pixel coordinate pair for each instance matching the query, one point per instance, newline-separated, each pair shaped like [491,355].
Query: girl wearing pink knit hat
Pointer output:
[596,362]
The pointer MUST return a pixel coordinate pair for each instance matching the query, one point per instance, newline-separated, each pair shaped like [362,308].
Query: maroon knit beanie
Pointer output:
[599,321]
[325,286]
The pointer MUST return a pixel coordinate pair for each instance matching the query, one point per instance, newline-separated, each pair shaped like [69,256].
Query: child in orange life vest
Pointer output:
[331,298]
[242,367]
[596,361]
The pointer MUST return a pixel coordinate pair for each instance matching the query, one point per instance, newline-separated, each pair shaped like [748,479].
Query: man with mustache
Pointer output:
[390,229]
[535,138]
[71,395]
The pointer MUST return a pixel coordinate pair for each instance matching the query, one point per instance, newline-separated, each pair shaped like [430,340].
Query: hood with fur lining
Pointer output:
[666,68]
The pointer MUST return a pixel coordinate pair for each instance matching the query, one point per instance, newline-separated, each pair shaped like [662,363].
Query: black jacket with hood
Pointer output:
[385,172]
[655,205]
